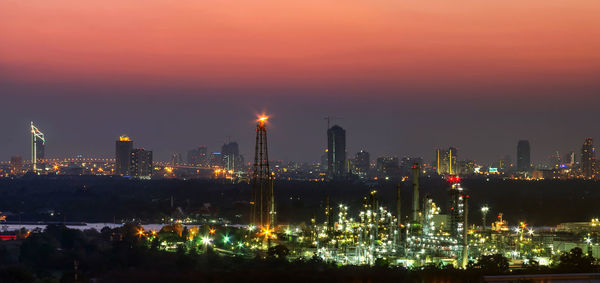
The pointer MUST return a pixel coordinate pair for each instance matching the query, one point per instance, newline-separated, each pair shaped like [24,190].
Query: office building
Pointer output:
[361,164]
[446,163]
[588,159]
[336,154]
[124,146]
[523,156]
[141,163]
[232,159]
[198,156]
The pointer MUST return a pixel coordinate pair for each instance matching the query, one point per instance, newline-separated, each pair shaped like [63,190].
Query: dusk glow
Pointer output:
[362,45]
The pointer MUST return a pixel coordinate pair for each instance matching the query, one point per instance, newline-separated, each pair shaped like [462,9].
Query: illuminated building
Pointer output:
[38,146]
[570,159]
[336,152]
[231,156]
[361,164]
[141,163]
[588,158]
[16,165]
[387,167]
[198,156]
[124,146]
[465,167]
[446,163]
[523,156]
[263,201]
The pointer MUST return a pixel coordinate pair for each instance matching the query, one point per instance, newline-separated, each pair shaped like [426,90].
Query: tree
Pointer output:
[492,264]
[278,252]
[575,261]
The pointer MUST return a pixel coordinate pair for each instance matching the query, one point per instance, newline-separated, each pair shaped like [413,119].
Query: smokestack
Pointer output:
[415,182]
[465,253]
[398,203]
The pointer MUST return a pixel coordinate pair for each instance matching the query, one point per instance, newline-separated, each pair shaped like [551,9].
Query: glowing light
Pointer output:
[267,232]
[212,231]
[226,239]
[124,138]
[206,241]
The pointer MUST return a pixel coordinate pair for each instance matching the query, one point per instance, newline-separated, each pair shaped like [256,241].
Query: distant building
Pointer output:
[141,163]
[465,167]
[217,160]
[446,162]
[198,156]
[588,158]
[406,164]
[124,146]
[336,152]
[570,159]
[523,156]
[231,156]
[41,150]
[388,168]
[16,165]
[361,164]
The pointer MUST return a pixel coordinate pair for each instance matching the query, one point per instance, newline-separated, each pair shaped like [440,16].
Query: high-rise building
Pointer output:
[336,154]
[388,167]
[523,156]
[38,147]
[198,156]
[141,163]
[446,162]
[361,164]
[570,159]
[588,158]
[124,146]
[231,156]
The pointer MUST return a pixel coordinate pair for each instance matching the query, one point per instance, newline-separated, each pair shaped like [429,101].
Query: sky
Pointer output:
[402,77]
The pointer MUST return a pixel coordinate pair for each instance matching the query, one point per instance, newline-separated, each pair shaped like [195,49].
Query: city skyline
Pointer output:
[245,151]
[402,78]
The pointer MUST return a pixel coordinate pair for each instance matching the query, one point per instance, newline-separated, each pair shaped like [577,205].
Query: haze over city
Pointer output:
[401,78]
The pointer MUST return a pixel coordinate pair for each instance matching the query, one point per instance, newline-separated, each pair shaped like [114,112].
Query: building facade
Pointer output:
[336,152]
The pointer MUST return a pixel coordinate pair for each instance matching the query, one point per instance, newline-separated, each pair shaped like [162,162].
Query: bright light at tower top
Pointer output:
[124,138]
[262,119]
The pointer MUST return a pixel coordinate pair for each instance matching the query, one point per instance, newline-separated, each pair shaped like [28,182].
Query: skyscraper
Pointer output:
[588,158]
[124,146]
[446,162]
[336,154]
[523,156]
[198,156]
[38,146]
[141,163]
[231,156]
[361,163]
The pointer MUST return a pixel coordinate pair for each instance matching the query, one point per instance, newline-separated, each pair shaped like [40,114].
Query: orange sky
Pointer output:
[302,43]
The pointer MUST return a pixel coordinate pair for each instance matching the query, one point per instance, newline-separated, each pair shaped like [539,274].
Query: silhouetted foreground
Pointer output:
[108,199]
[60,254]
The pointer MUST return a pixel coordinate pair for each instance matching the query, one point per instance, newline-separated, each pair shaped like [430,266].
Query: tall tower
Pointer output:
[263,202]
[123,149]
[336,152]
[523,156]
[588,157]
[38,144]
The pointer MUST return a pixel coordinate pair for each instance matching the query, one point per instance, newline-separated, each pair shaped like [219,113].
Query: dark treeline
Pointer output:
[106,199]
[60,254]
